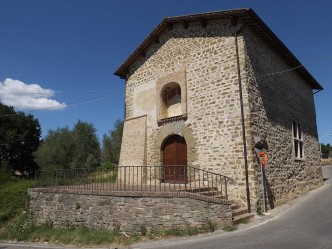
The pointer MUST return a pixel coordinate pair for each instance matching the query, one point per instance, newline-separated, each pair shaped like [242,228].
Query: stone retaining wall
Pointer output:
[127,213]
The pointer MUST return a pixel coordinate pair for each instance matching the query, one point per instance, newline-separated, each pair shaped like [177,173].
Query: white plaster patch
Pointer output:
[144,101]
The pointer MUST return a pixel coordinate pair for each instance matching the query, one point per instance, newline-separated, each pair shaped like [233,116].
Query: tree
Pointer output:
[112,143]
[56,150]
[86,146]
[19,139]
[326,150]
[68,149]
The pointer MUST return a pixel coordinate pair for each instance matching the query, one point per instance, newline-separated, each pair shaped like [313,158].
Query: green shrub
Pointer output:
[13,198]
[143,230]
[174,232]
[209,226]
[260,211]
[5,173]
[107,165]
[191,231]
[23,229]
[229,228]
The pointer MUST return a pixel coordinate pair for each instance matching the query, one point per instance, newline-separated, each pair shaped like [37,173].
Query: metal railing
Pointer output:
[137,178]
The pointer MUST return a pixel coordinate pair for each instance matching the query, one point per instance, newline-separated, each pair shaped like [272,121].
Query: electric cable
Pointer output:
[67,105]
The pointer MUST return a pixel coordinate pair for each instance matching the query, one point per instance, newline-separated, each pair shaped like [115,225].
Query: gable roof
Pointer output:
[248,16]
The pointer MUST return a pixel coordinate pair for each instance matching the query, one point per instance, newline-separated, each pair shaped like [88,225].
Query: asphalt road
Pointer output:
[304,223]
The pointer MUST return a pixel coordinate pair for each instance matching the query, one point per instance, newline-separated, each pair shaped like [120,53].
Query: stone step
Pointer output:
[202,190]
[221,197]
[242,217]
[235,206]
[209,193]
[239,211]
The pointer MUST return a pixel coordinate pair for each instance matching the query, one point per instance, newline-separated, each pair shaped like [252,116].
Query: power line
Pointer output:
[111,90]
[59,92]
[100,98]
[294,68]
[69,105]
[279,72]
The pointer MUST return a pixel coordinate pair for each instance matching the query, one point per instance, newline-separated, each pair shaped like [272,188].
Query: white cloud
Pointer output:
[27,96]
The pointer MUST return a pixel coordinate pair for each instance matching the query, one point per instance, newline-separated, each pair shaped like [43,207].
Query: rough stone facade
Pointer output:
[213,107]
[127,213]
[276,101]
[134,142]
[211,117]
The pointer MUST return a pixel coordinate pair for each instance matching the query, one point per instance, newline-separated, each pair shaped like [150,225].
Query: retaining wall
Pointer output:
[156,211]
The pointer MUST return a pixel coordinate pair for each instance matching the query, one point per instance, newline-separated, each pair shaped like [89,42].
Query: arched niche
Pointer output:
[171,94]
[170,101]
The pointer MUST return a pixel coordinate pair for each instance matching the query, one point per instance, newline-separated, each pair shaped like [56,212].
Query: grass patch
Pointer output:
[191,231]
[26,230]
[229,228]
[77,176]
[177,232]
[245,221]
[260,211]
[13,199]
[209,226]
[143,230]
[81,236]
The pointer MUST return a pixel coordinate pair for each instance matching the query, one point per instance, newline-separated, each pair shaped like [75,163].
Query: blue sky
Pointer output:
[70,49]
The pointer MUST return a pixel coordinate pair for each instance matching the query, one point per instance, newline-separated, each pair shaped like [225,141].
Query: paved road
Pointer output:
[305,223]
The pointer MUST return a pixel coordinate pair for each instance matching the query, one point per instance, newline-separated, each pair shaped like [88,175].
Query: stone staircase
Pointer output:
[239,213]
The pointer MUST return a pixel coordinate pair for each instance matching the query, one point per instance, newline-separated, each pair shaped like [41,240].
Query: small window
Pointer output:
[298,141]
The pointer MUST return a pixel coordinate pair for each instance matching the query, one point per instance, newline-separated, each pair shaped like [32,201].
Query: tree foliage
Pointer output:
[112,143]
[68,149]
[19,138]
[326,150]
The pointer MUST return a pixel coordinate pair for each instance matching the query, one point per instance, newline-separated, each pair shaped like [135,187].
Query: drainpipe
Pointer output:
[242,118]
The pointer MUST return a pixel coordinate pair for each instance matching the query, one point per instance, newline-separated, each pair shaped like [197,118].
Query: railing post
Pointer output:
[226,194]
[125,177]
[35,178]
[137,178]
[150,177]
[87,178]
[220,182]
[212,185]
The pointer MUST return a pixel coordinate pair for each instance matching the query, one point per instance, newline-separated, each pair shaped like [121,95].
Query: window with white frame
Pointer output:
[298,141]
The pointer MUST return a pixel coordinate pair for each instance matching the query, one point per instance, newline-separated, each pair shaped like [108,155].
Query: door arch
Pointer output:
[174,151]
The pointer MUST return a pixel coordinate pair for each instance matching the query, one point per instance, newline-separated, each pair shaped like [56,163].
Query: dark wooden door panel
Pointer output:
[175,159]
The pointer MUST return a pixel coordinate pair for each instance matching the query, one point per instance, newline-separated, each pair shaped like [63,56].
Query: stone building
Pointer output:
[201,87]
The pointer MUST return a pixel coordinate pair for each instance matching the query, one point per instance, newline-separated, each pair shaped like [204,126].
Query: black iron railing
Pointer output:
[137,178]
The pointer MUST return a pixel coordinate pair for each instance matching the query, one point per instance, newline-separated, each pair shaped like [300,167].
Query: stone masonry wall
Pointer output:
[133,143]
[276,100]
[213,108]
[125,213]
[208,56]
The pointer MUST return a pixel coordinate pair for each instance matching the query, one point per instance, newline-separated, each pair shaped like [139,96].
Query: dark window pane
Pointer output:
[301,149]
[296,146]
[294,129]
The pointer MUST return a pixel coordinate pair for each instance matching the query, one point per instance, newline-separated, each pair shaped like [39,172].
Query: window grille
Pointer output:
[298,141]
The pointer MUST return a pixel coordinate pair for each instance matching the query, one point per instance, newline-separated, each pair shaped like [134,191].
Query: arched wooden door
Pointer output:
[175,159]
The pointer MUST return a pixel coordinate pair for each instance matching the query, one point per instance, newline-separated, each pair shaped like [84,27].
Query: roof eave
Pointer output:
[248,16]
